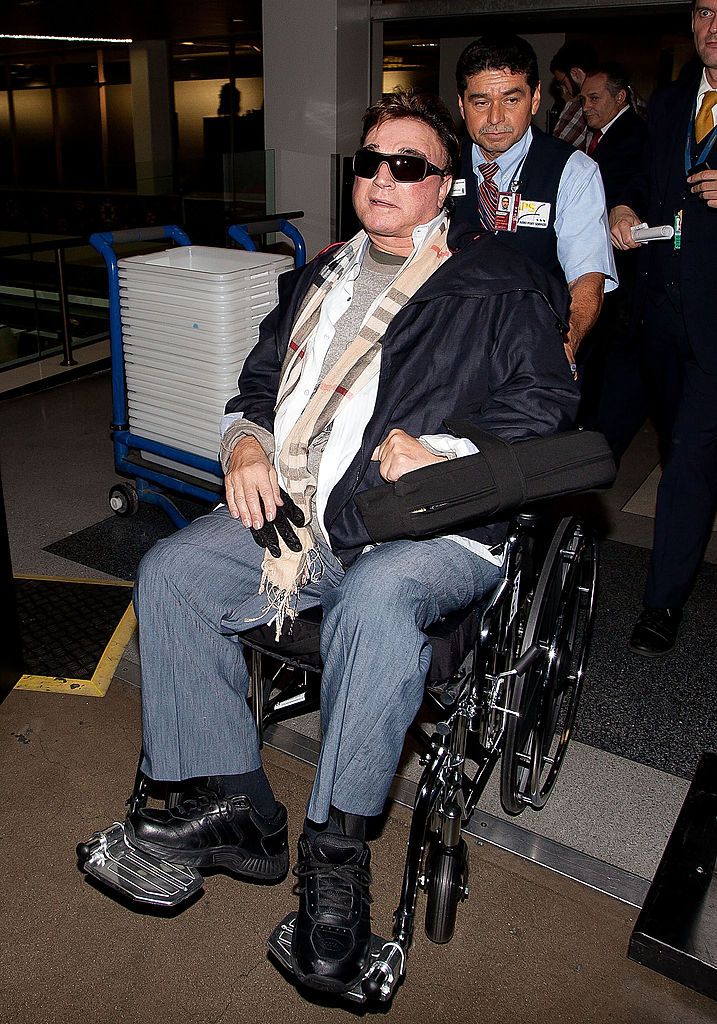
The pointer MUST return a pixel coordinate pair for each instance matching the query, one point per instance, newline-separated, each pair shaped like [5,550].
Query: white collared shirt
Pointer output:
[609,125]
[705,87]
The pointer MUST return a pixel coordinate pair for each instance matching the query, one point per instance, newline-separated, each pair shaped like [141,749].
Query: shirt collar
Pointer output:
[704,87]
[509,161]
[418,236]
[619,114]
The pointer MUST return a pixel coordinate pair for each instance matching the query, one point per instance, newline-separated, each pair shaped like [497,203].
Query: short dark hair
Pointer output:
[421,106]
[495,52]
[616,75]
[574,54]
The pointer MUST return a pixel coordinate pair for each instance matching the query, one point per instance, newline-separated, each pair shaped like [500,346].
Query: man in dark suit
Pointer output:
[613,396]
[616,134]
[678,186]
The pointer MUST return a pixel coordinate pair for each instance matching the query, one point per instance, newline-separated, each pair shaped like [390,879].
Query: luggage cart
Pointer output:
[178,471]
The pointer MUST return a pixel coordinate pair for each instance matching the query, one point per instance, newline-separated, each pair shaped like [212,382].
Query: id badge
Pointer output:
[677,237]
[506,216]
[533,213]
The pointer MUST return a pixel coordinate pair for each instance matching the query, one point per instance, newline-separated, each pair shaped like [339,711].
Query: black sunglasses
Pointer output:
[403,168]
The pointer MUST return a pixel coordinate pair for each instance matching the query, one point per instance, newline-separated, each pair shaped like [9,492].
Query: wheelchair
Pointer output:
[505,682]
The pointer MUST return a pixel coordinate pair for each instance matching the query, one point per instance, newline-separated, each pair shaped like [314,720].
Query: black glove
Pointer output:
[286,514]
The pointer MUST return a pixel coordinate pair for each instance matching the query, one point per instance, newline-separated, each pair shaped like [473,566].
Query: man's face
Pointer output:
[704,28]
[497,107]
[390,210]
[569,88]
[599,105]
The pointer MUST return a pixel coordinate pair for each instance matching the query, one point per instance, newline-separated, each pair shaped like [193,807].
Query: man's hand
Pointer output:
[704,185]
[622,220]
[249,478]
[570,352]
[400,453]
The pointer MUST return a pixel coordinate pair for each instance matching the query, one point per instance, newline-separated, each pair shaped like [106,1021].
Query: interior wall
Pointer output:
[196,99]
[316,87]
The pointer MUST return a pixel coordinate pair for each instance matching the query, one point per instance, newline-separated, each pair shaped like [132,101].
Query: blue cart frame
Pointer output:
[149,481]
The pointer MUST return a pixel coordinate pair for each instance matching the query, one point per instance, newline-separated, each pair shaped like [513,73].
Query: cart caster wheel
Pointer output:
[123,500]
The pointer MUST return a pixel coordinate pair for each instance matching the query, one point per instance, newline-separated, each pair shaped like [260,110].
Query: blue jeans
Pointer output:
[196,593]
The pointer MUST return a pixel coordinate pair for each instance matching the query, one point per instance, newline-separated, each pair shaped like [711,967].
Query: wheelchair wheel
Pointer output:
[545,697]
[447,871]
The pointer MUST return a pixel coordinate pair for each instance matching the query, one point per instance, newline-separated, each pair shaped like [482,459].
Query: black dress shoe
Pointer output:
[332,934]
[211,830]
[655,631]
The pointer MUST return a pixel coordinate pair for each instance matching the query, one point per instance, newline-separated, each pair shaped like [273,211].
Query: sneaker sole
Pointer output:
[324,984]
[251,866]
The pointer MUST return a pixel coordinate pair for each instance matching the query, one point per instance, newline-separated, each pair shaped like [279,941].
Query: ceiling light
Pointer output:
[64,39]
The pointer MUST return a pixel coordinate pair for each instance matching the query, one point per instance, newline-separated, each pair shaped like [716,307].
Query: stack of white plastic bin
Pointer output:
[190,316]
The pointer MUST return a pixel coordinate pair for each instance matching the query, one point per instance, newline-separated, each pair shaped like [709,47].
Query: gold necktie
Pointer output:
[703,121]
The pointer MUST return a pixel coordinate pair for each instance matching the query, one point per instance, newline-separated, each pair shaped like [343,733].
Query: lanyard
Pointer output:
[706,146]
[515,182]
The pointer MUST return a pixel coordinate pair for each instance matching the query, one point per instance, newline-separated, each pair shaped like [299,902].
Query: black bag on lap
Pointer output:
[488,486]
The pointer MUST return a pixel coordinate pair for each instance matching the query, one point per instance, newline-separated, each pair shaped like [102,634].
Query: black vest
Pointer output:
[539,179]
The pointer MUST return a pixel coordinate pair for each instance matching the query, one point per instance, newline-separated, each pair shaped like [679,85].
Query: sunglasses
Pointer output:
[403,168]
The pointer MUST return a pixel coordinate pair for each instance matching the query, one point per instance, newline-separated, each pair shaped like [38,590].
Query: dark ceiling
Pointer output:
[135,19]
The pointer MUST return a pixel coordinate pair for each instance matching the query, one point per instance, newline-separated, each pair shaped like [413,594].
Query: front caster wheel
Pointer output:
[447,871]
[123,500]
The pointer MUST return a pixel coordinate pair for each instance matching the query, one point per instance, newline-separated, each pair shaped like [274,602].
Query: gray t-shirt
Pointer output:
[377,270]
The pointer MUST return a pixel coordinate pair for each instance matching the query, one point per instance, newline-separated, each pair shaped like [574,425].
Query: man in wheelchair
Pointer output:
[372,347]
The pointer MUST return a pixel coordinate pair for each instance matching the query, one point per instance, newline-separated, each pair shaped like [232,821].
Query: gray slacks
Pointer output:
[197,591]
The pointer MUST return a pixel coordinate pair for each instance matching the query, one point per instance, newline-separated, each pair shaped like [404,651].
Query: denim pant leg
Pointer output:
[376,657]
[195,592]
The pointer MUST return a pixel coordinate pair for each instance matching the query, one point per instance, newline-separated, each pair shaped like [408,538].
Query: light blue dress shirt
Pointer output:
[581,223]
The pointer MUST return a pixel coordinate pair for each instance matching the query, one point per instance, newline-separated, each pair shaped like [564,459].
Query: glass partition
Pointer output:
[67,169]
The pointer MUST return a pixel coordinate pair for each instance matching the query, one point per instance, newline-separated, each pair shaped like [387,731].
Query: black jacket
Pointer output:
[619,154]
[656,193]
[481,340]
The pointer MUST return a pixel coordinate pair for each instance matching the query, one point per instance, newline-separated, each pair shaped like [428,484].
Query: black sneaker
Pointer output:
[210,830]
[332,934]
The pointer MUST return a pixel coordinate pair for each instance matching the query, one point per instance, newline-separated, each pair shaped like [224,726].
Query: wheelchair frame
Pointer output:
[513,695]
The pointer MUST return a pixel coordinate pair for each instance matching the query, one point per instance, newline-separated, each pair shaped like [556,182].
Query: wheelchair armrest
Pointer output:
[481,488]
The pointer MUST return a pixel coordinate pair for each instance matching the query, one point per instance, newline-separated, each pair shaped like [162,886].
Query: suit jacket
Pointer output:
[619,152]
[657,192]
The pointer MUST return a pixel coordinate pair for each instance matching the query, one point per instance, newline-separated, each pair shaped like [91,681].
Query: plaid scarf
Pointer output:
[283,577]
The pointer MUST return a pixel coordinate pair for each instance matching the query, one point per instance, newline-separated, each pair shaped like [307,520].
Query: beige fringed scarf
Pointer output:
[282,578]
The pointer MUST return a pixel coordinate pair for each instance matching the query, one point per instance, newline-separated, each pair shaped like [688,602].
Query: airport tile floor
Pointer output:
[531,945]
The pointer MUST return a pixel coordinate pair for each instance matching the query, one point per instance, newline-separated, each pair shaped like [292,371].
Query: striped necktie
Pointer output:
[488,195]
[704,122]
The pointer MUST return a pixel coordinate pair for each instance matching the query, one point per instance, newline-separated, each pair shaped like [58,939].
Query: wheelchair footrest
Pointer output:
[108,857]
[383,972]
